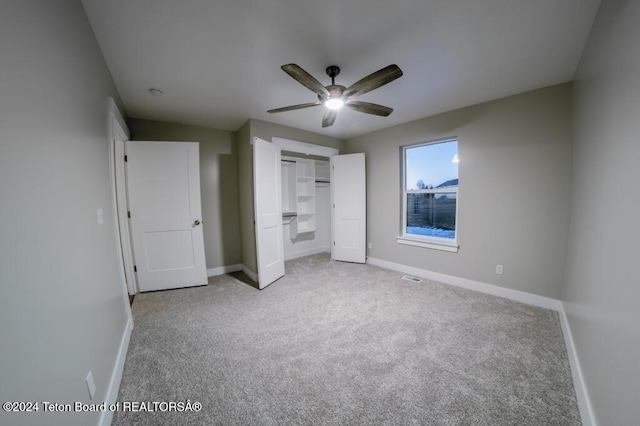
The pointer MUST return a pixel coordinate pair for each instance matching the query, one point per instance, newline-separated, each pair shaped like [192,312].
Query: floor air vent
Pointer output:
[410,278]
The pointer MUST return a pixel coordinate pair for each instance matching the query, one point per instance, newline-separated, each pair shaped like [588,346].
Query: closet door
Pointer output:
[348,199]
[268,211]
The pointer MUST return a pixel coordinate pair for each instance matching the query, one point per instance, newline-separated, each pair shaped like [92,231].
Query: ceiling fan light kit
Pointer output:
[334,103]
[335,96]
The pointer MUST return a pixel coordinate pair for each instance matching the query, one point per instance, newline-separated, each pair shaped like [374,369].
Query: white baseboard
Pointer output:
[580,386]
[507,293]
[116,375]
[250,273]
[308,252]
[223,270]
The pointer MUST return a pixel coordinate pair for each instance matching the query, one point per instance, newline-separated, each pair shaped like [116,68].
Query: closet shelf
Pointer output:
[299,195]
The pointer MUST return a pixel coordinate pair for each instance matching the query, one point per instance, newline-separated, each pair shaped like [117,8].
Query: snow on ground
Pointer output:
[431,232]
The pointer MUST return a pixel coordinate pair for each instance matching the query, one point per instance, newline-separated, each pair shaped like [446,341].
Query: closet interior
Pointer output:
[306,205]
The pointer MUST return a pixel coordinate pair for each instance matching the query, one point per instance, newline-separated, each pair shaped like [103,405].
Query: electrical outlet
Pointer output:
[370,246]
[91,384]
[499,269]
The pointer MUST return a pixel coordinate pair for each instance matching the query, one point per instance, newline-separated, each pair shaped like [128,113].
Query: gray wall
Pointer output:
[263,130]
[218,183]
[602,288]
[514,194]
[62,308]
[245,197]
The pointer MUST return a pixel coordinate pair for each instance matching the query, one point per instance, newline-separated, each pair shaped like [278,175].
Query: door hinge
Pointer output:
[135,268]
[129,214]
[334,243]
[125,159]
[334,205]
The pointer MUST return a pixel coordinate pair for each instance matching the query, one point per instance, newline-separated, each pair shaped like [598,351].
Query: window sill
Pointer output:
[444,246]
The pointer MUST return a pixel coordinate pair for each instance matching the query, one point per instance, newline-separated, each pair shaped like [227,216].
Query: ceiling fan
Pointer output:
[335,96]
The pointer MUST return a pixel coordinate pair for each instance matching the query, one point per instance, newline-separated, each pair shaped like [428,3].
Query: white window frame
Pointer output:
[437,243]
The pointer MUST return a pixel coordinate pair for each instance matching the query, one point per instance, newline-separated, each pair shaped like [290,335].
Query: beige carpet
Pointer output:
[338,343]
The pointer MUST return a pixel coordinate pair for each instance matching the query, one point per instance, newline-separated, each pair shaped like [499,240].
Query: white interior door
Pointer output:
[163,187]
[348,199]
[268,210]
[123,221]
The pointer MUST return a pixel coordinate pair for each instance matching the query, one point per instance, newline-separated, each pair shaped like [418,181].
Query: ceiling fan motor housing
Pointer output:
[335,92]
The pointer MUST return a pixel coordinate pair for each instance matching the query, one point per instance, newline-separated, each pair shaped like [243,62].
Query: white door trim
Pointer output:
[120,134]
[117,130]
[119,126]
[304,147]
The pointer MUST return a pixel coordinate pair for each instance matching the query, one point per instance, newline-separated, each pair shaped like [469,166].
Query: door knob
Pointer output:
[196,222]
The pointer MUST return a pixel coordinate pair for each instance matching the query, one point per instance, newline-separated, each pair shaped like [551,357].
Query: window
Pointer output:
[430,195]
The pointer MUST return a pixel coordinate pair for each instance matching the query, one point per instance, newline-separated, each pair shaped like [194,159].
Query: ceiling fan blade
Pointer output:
[329,117]
[295,107]
[306,79]
[373,81]
[369,108]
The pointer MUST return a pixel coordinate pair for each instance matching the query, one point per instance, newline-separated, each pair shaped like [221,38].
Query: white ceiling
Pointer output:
[218,62]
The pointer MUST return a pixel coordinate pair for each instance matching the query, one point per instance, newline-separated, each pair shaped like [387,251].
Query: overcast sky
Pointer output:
[431,163]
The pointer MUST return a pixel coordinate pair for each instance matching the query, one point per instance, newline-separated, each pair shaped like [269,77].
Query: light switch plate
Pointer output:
[91,384]
[100,217]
